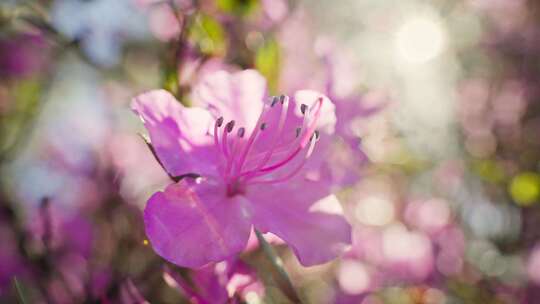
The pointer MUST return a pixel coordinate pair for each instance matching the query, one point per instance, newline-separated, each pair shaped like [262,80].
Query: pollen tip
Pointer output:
[303,109]
[219,121]
[230,125]
[241,132]
[263,126]
[275,99]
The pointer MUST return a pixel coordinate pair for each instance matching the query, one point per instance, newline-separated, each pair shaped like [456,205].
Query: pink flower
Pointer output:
[224,282]
[254,166]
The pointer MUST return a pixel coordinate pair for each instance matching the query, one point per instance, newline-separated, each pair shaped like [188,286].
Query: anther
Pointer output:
[263,126]
[303,109]
[298,130]
[241,132]
[316,134]
[219,121]
[275,99]
[230,125]
[283,98]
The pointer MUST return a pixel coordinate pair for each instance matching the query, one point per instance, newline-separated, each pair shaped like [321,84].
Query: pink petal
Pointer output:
[304,215]
[191,224]
[235,96]
[178,134]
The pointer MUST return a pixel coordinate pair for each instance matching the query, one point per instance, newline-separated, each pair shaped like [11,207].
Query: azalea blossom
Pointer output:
[243,162]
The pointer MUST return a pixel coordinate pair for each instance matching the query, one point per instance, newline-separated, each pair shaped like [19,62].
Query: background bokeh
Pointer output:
[446,114]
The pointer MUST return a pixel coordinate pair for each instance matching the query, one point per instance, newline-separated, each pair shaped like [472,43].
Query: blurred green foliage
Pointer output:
[24,96]
[171,79]
[267,61]
[208,35]
[238,7]
[489,170]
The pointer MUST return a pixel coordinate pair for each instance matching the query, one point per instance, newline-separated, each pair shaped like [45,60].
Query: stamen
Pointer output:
[217,145]
[282,117]
[303,109]
[217,125]
[295,171]
[230,159]
[241,131]
[219,121]
[303,141]
[230,125]
[275,99]
[306,135]
[314,122]
[224,142]
[251,139]
[282,162]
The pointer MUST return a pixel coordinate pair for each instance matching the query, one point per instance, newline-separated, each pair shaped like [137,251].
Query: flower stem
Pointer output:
[280,275]
[18,290]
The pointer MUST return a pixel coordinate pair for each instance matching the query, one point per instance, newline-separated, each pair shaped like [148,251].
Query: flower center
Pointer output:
[242,165]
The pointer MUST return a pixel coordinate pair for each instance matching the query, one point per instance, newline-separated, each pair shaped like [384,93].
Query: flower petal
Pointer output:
[178,134]
[235,96]
[304,215]
[191,224]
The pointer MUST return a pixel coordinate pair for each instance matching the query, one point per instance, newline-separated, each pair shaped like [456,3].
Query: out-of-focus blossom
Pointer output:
[11,262]
[227,281]
[164,22]
[129,293]
[395,251]
[139,171]
[533,265]
[102,26]
[451,249]
[356,277]
[193,68]
[251,176]
[329,69]
[430,216]
[65,152]
[408,253]
[275,10]
[22,55]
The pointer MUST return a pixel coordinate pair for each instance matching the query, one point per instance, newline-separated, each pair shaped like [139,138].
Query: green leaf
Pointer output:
[209,36]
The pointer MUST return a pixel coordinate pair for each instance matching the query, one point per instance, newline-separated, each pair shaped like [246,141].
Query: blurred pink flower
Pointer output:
[396,251]
[223,282]
[429,215]
[275,10]
[22,55]
[265,174]
[533,265]
[129,293]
